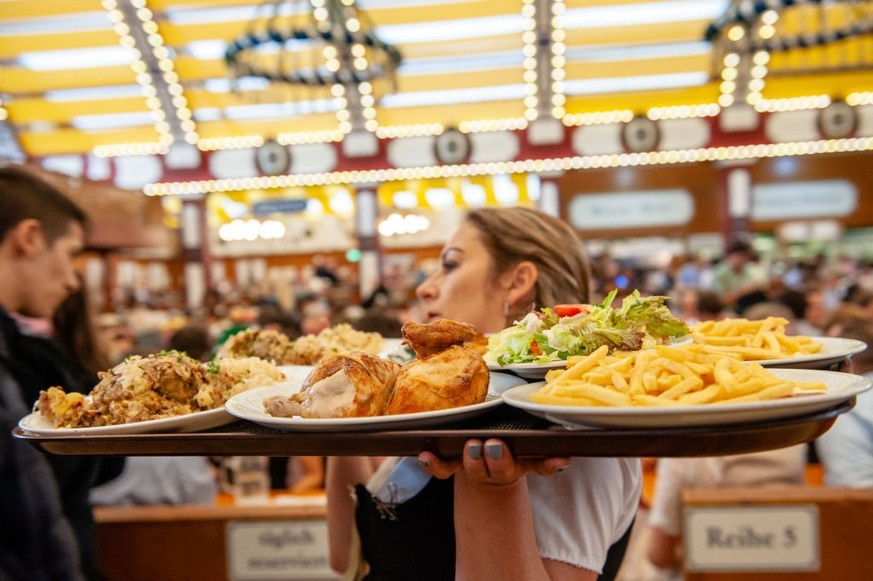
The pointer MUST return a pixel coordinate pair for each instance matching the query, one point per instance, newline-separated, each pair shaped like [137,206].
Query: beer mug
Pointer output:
[246,478]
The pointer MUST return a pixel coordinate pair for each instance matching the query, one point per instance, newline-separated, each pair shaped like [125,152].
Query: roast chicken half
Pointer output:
[343,385]
[446,374]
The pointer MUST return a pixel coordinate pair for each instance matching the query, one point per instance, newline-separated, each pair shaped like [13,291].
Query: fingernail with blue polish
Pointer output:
[423,463]
[474,451]
[494,451]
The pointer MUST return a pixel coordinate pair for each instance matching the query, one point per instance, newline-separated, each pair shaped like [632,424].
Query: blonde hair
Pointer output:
[514,235]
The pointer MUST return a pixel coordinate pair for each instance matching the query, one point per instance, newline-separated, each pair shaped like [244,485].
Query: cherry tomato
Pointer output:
[570,310]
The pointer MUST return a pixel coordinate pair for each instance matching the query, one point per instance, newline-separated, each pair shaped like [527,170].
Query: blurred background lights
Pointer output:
[251,230]
[396,224]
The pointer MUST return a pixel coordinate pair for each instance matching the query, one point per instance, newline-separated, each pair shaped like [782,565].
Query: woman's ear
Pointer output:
[519,281]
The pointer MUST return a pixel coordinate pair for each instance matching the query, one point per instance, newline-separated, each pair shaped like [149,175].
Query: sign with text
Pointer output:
[293,549]
[752,538]
[279,206]
[811,199]
[651,209]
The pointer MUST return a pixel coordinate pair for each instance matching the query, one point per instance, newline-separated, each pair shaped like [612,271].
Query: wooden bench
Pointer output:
[193,543]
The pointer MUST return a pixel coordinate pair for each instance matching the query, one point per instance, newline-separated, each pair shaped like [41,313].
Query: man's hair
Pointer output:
[24,196]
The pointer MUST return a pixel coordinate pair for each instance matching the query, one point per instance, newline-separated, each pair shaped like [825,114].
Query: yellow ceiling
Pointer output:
[615,50]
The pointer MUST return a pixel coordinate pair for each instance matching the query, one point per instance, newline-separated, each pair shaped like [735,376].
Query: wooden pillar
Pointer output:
[196,257]
[550,193]
[367,216]
[736,203]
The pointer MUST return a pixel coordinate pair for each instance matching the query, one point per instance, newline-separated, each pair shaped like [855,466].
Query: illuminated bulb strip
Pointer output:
[793,104]
[302,137]
[758,73]
[529,51]
[684,111]
[395,131]
[489,125]
[729,153]
[165,64]
[729,75]
[367,99]
[864,98]
[240,142]
[558,59]
[598,118]
[139,66]
[130,149]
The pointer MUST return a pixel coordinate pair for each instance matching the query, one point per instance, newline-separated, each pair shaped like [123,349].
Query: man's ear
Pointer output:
[520,281]
[27,237]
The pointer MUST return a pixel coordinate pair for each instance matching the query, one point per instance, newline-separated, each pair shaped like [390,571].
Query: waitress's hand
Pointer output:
[490,462]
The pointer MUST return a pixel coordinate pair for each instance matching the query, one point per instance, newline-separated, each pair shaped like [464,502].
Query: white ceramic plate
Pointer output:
[249,405]
[840,387]
[529,370]
[539,370]
[39,425]
[833,350]
[389,346]
[296,373]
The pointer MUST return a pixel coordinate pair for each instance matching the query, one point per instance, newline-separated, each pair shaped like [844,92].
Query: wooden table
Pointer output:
[527,435]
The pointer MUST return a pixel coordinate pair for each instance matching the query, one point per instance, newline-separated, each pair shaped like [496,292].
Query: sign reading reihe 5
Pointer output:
[752,538]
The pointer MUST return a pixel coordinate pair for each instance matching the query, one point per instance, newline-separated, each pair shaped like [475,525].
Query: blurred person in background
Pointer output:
[737,279]
[73,358]
[41,233]
[165,480]
[192,339]
[695,305]
[846,450]
[315,317]
[663,536]
[496,517]
[114,336]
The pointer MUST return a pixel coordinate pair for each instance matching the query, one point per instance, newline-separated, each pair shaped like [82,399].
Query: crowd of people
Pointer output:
[496,516]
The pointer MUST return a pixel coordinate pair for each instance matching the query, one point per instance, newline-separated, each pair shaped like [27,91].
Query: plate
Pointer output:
[36,424]
[833,351]
[528,370]
[389,346]
[539,370]
[840,387]
[249,405]
[296,373]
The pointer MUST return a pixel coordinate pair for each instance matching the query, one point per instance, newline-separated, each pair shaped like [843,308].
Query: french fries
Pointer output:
[752,340]
[682,375]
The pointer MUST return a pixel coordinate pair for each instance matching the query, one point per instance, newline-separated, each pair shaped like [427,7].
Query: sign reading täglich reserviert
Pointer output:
[293,549]
[752,538]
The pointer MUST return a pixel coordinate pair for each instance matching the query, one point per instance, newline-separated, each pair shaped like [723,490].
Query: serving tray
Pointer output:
[527,436]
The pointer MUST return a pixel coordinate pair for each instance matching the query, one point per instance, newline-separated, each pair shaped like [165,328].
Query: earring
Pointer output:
[506,308]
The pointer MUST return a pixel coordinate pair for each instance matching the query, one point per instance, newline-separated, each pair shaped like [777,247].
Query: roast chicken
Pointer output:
[429,338]
[447,374]
[343,385]
[454,377]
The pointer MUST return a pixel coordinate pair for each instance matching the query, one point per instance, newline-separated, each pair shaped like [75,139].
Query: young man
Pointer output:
[41,231]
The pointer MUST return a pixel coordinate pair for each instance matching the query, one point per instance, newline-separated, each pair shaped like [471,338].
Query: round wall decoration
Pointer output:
[837,120]
[640,134]
[273,158]
[452,146]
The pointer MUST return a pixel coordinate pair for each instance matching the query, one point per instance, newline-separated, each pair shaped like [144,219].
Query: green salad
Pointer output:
[544,336]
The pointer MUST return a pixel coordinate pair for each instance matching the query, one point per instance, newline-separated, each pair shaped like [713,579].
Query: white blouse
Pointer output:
[579,513]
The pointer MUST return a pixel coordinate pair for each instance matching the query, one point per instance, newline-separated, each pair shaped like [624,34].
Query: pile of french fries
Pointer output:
[752,340]
[664,376]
